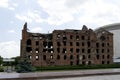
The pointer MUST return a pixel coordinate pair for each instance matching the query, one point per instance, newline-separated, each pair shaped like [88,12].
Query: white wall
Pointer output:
[116,38]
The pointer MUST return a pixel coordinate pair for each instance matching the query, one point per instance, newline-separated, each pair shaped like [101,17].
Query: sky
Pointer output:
[44,16]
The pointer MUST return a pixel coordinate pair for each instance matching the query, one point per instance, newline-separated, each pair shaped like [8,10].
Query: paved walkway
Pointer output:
[56,74]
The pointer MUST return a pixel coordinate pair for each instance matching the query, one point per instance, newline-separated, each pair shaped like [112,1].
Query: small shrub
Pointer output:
[1,69]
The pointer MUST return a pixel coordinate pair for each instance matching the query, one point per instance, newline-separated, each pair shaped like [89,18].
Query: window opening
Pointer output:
[89,50]
[77,43]
[71,50]
[37,50]
[83,37]
[83,50]
[77,37]
[71,37]
[58,57]
[37,43]
[97,56]
[51,57]
[64,50]
[77,50]
[65,57]
[71,44]
[88,43]
[44,57]
[37,57]
[29,42]
[29,49]
[58,44]
[83,57]
[83,44]
[97,45]
[58,50]
[71,56]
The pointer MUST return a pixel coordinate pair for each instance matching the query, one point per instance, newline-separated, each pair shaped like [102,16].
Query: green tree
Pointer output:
[1,60]
[17,59]
[24,65]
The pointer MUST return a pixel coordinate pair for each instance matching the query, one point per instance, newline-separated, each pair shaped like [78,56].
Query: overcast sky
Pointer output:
[46,15]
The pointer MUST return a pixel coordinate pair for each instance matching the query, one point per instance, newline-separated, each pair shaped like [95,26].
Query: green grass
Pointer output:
[78,67]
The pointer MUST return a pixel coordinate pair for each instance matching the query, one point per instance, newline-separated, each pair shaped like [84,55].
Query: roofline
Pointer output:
[110,27]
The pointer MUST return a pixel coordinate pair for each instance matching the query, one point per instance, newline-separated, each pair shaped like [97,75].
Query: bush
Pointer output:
[24,66]
[78,67]
[1,69]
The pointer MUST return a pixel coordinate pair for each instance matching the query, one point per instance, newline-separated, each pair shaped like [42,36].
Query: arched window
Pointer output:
[29,42]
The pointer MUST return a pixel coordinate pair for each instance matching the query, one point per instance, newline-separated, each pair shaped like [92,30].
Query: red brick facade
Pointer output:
[68,47]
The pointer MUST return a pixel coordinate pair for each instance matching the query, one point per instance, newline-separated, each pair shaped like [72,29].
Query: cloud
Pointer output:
[30,16]
[79,12]
[90,12]
[57,11]
[9,49]
[7,4]
[23,18]
[4,3]
[11,31]
[37,29]
[75,3]
[99,12]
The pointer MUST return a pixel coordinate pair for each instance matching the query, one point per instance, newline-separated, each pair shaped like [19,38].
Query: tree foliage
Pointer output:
[1,60]
[24,65]
[17,59]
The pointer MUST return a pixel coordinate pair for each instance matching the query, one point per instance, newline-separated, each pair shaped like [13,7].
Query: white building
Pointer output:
[115,29]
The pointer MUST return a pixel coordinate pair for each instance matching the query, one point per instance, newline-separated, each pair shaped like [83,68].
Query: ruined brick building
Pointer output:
[68,47]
